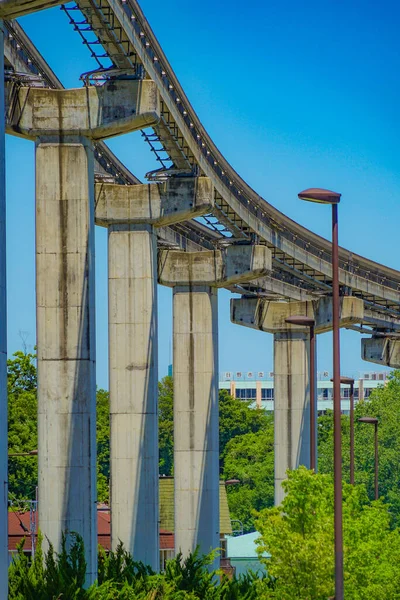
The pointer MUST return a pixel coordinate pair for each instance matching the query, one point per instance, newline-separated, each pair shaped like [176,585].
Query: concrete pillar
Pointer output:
[131,213]
[63,124]
[65,297]
[133,358]
[196,440]
[195,277]
[3,343]
[291,405]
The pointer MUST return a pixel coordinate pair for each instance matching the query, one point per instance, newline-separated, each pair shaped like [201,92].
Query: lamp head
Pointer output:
[346,380]
[372,420]
[320,195]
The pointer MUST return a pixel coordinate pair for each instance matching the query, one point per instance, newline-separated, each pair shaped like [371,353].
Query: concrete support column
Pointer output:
[292,404]
[195,277]
[196,441]
[65,298]
[132,269]
[3,342]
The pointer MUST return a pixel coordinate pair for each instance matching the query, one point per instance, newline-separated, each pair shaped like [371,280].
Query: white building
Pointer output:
[258,386]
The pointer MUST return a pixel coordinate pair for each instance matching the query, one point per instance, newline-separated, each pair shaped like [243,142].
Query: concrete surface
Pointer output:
[218,268]
[196,441]
[266,315]
[176,200]
[291,405]
[96,112]
[382,351]
[133,363]
[3,346]
[65,297]
[11,9]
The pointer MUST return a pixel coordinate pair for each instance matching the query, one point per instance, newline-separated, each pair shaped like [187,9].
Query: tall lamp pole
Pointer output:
[373,421]
[309,322]
[322,196]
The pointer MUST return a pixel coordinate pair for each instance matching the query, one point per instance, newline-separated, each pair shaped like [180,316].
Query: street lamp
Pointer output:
[349,381]
[309,322]
[322,196]
[373,421]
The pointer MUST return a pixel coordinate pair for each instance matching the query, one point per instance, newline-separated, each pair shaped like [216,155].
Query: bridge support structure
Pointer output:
[131,214]
[3,346]
[63,124]
[195,277]
[382,351]
[291,368]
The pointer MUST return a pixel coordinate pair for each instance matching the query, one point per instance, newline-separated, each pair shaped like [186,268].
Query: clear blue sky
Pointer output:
[295,95]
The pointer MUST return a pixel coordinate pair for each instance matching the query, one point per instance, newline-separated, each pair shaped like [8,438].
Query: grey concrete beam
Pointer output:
[265,315]
[382,351]
[217,268]
[11,9]
[173,201]
[95,112]
[3,346]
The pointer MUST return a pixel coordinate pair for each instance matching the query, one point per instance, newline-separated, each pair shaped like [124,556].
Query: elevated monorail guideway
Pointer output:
[128,40]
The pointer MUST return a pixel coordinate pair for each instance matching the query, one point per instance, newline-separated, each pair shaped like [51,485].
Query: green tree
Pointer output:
[103,445]
[166,425]
[299,537]
[22,425]
[383,403]
[250,459]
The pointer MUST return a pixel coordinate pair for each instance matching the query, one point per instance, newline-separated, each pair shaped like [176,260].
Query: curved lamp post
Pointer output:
[373,421]
[304,321]
[322,196]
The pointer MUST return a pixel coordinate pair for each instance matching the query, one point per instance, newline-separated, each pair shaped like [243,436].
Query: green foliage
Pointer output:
[22,425]
[383,403]
[62,576]
[299,537]
[166,425]
[236,418]
[250,458]
[103,444]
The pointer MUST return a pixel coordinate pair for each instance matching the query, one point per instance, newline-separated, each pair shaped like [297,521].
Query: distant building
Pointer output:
[242,551]
[258,386]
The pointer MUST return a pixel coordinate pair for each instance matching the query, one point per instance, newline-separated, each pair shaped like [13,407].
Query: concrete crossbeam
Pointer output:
[3,345]
[11,9]
[258,313]
[382,351]
[291,405]
[95,112]
[196,442]
[176,200]
[133,358]
[217,268]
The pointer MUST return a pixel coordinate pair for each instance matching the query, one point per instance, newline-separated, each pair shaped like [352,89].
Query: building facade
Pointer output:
[258,387]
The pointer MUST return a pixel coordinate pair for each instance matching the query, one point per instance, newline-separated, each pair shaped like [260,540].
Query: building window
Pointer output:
[267,394]
[246,394]
[165,555]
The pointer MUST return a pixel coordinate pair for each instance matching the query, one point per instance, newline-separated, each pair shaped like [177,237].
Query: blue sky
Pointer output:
[295,95]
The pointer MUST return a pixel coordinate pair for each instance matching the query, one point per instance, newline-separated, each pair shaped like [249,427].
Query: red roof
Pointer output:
[19,526]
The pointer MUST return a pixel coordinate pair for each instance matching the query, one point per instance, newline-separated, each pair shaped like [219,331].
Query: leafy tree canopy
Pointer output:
[383,403]
[298,535]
